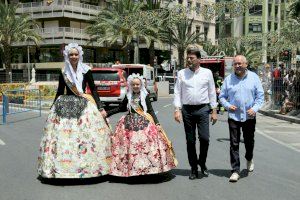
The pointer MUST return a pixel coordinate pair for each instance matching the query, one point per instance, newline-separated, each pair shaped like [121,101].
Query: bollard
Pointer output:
[5,108]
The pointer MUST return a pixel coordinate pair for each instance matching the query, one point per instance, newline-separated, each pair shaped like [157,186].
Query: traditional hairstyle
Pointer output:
[75,77]
[143,91]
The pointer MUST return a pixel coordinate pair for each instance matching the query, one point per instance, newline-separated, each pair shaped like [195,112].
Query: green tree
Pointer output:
[295,9]
[209,48]
[181,36]
[148,6]
[14,28]
[124,20]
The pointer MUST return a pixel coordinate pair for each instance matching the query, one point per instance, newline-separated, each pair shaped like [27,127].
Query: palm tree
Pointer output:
[152,5]
[209,48]
[181,36]
[14,28]
[253,55]
[121,21]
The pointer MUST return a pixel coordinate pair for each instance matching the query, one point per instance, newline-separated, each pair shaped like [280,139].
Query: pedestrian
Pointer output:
[76,140]
[242,95]
[218,84]
[139,144]
[195,94]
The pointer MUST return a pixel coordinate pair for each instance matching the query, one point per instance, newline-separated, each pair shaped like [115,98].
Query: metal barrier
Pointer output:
[286,95]
[20,101]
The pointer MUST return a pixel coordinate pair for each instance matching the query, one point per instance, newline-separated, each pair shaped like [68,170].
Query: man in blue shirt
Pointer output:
[242,95]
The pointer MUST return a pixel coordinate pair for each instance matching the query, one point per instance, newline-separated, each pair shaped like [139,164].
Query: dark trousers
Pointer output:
[196,116]
[248,128]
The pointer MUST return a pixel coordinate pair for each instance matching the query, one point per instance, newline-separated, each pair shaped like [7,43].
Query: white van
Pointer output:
[146,71]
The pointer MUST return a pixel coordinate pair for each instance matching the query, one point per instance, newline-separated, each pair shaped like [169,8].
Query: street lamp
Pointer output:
[28,62]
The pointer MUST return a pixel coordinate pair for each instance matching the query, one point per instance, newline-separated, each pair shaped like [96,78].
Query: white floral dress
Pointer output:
[76,140]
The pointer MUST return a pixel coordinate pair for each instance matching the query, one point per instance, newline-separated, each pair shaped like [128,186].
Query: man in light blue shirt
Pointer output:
[242,95]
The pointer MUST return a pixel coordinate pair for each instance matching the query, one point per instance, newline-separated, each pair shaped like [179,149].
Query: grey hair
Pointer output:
[243,58]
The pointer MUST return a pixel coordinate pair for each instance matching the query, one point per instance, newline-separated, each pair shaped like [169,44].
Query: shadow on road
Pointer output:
[186,172]
[227,140]
[145,179]
[72,182]
[227,173]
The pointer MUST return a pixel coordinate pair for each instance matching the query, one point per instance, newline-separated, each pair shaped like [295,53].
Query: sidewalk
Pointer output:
[275,114]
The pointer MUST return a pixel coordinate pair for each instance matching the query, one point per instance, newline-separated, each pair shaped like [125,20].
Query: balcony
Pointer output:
[59,35]
[60,8]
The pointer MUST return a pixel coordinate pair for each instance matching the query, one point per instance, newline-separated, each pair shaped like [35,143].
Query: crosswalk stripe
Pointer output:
[1,142]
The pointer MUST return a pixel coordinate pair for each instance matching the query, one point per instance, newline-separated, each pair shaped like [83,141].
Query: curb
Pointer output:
[278,116]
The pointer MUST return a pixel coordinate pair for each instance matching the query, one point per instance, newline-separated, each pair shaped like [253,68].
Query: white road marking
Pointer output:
[167,105]
[277,141]
[281,132]
[1,142]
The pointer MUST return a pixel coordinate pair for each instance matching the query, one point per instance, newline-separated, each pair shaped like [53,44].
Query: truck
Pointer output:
[146,71]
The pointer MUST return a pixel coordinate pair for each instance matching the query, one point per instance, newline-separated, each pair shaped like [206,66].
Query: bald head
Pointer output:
[242,58]
[240,65]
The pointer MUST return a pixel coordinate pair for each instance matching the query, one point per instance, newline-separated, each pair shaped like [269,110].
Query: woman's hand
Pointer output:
[103,112]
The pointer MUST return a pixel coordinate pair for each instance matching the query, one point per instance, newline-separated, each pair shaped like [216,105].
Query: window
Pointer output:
[189,6]
[255,10]
[257,45]
[198,7]
[50,54]
[255,28]
[105,75]
[197,32]
[276,12]
[206,32]
[89,55]
[227,30]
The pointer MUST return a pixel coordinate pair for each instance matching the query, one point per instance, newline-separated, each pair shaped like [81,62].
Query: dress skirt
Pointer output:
[76,141]
[139,148]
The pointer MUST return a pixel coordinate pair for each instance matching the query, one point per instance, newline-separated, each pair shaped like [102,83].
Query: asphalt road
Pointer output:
[276,174]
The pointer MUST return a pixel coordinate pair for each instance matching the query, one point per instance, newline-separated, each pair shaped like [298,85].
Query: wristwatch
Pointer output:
[177,109]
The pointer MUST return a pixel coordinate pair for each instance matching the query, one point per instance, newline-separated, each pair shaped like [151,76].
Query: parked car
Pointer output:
[111,85]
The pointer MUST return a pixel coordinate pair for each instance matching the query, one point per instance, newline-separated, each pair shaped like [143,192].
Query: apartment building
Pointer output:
[63,21]
[60,22]
[268,16]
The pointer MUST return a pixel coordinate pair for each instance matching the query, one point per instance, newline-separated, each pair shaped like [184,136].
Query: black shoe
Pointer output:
[193,175]
[204,171]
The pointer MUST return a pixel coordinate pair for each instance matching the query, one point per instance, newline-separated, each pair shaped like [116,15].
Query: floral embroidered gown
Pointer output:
[139,147]
[76,140]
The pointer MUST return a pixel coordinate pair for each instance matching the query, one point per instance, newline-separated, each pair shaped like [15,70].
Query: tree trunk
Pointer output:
[136,51]
[181,58]
[7,62]
[151,53]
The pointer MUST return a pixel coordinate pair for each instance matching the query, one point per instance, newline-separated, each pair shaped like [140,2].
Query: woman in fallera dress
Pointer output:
[76,139]
[139,144]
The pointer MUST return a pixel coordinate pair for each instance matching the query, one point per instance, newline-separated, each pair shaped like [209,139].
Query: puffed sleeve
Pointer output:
[90,80]
[61,87]
[150,110]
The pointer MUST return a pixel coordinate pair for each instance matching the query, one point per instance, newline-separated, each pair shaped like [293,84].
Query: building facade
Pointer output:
[64,21]
[268,16]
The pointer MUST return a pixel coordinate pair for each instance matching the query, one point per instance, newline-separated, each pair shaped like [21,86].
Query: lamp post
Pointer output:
[155,66]
[28,63]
